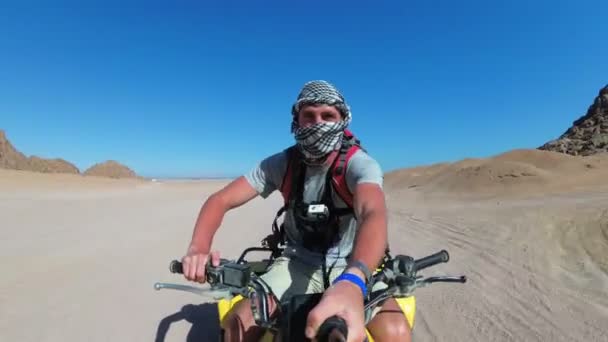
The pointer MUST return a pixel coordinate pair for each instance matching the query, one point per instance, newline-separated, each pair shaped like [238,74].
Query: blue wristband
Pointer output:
[353,279]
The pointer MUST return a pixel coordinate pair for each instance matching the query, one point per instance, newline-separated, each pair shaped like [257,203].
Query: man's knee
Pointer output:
[238,312]
[239,325]
[396,328]
[390,324]
[390,329]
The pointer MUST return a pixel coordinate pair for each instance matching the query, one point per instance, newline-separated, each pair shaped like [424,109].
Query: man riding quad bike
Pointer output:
[334,229]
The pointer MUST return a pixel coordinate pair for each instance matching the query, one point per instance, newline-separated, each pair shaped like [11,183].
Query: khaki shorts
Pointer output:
[288,277]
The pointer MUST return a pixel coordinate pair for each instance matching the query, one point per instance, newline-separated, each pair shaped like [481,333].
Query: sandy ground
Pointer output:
[80,257]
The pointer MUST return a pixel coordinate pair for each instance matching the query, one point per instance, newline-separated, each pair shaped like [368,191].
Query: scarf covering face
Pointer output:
[316,141]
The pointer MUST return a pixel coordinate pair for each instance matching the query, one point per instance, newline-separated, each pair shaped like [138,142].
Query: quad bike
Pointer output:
[232,281]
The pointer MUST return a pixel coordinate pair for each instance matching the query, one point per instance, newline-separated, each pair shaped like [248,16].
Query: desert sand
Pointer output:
[80,254]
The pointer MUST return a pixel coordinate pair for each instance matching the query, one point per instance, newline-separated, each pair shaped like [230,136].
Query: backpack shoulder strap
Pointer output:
[286,184]
[277,238]
[350,146]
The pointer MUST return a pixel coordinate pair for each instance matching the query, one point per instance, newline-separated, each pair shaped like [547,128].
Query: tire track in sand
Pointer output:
[510,295]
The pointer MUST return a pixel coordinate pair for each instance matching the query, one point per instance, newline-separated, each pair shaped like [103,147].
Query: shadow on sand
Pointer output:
[203,317]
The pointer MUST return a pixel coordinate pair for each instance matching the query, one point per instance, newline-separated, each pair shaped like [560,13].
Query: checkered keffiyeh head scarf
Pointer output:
[318,140]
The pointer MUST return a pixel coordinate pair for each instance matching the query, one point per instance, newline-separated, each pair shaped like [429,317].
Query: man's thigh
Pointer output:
[288,277]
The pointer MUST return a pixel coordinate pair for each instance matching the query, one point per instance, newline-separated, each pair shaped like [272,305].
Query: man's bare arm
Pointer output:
[371,240]
[210,217]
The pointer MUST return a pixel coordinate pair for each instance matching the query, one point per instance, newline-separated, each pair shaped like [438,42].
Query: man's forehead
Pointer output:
[319,107]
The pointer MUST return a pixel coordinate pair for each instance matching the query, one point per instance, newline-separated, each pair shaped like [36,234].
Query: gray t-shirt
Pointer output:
[267,176]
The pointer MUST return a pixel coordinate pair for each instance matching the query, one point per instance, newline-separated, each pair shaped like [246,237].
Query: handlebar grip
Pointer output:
[334,329]
[211,273]
[176,267]
[431,260]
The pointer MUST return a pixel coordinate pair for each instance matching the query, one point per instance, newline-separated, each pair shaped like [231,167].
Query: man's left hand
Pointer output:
[343,299]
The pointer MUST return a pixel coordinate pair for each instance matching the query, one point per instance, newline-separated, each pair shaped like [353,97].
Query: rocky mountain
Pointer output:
[55,165]
[589,134]
[11,158]
[110,169]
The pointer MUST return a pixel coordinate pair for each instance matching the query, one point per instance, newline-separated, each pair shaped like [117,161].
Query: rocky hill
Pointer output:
[55,165]
[589,134]
[11,158]
[110,169]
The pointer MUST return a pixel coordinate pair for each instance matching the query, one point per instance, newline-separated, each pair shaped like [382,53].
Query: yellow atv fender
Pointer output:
[407,305]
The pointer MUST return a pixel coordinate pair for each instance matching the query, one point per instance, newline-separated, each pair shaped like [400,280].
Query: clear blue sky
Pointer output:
[204,88]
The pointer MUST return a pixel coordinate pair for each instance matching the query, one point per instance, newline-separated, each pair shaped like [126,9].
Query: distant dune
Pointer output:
[525,171]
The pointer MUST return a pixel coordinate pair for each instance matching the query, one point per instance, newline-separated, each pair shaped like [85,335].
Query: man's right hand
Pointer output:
[194,264]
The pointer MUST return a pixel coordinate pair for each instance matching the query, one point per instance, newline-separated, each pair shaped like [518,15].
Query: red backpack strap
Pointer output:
[348,134]
[339,176]
[288,176]
[350,146]
[350,138]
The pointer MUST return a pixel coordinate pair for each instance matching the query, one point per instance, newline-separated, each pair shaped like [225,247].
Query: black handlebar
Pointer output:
[334,329]
[176,267]
[442,256]
[431,260]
